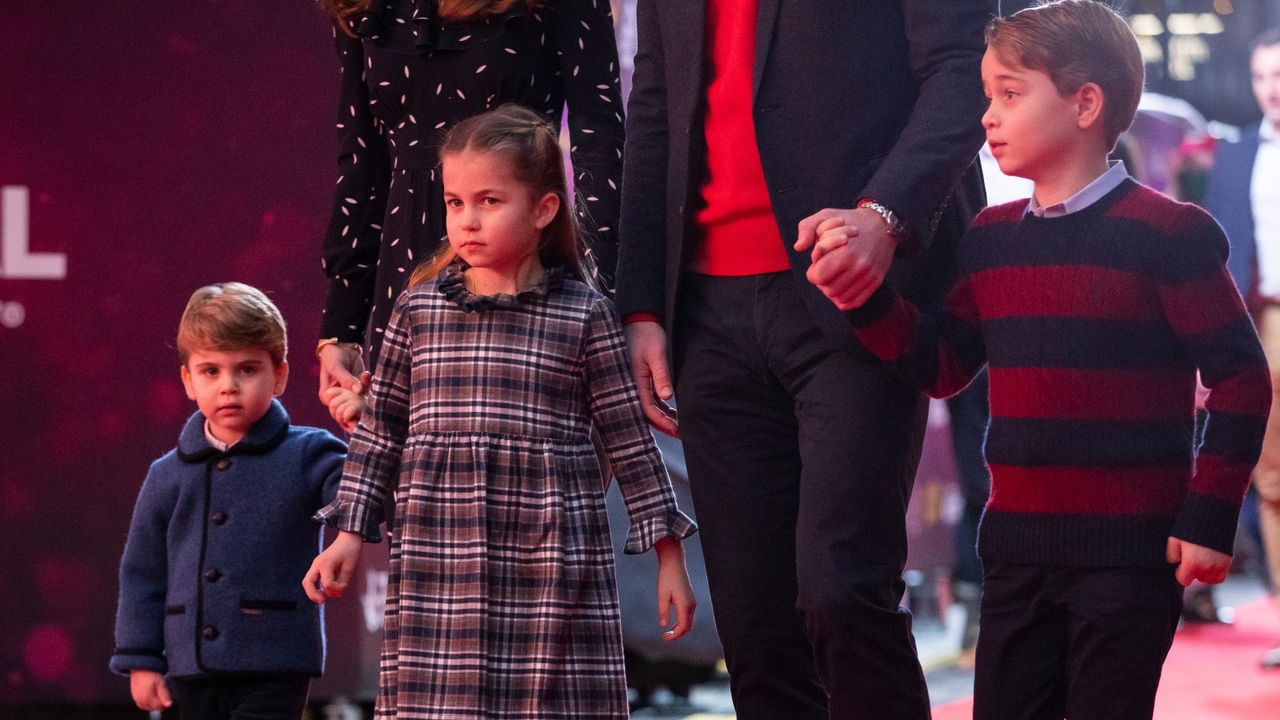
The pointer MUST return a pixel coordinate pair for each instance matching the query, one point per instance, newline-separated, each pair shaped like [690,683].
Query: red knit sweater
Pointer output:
[736,227]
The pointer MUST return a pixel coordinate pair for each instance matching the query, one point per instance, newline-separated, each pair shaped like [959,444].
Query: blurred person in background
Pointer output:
[1244,195]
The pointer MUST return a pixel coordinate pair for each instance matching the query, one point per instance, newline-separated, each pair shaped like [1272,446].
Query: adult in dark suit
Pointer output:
[750,126]
[1244,195]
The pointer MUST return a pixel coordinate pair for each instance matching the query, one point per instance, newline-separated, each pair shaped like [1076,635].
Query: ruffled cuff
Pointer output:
[351,516]
[647,531]
[125,660]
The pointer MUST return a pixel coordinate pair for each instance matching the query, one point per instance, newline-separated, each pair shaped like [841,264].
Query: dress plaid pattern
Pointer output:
[501,601]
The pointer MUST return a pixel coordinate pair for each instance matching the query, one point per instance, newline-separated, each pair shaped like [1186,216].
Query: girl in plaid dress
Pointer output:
[498,362]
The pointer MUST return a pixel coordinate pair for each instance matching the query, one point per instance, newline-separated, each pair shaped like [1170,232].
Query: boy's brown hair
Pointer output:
[1075,42]
[231,316]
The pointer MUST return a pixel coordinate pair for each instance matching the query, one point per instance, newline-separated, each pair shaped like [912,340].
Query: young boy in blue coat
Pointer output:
[211,615]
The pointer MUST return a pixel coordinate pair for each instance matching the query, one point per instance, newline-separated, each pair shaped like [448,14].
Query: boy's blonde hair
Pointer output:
[231,316]
[1075,42]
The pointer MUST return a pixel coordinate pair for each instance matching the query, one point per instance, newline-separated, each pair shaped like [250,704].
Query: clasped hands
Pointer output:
[850,252]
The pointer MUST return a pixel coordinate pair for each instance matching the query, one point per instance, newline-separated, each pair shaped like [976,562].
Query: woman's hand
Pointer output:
[332,569]
[340,366]
[674,591]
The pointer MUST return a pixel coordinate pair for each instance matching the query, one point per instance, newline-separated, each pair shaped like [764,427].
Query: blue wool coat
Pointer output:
[211,578]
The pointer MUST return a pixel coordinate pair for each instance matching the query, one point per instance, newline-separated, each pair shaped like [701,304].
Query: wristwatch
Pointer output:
[897,228]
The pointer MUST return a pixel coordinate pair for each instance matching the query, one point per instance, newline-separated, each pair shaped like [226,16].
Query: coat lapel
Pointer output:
[766,17]
[691,17]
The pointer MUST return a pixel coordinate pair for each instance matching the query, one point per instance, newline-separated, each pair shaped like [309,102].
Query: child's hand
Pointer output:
[346,405]
[832,233]
[1196,562]
[674,590]
[149,690]
[332,569]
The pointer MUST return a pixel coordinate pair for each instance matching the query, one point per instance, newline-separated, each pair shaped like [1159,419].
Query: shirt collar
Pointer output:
[213,441]
[1267,132]
[1085,196]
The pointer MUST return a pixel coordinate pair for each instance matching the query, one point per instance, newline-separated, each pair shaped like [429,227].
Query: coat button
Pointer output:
[209,633]
[218,518]
[212,574]
[223,464]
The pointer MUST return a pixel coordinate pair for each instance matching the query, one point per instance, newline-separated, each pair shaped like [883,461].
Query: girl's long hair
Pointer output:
[525,139]
[450,10]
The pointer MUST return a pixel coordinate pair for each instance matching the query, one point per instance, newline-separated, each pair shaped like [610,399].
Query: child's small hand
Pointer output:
[674,590]
[149,690]
[832,233]
[333,569]
[346,405]
[1196,562]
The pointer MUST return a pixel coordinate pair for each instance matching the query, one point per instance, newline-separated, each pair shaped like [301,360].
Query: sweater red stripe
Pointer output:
[1202,304]
[1072,393]
[1097,491]
[1065,291]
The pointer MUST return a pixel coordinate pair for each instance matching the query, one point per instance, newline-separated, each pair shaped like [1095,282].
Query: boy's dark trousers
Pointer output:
[1082,643]
[801,457]
[281,696]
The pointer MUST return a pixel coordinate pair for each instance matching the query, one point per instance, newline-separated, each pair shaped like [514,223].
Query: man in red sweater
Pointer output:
[749,124]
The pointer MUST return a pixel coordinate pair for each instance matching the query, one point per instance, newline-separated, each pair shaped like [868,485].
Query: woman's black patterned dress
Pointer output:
[406,78]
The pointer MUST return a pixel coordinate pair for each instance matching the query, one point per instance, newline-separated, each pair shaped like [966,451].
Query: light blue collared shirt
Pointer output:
[1086,196]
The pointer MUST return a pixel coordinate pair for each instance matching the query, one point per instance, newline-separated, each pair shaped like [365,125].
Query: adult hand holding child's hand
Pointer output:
[850,253]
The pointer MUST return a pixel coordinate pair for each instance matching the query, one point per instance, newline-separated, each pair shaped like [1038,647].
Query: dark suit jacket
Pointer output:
[869,98]
[1227,199]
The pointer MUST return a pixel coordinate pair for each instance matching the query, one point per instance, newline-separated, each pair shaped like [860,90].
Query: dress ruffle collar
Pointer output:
[452,284]
[413,27]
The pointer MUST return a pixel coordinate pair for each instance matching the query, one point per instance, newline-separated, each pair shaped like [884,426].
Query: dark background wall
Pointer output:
[163,146]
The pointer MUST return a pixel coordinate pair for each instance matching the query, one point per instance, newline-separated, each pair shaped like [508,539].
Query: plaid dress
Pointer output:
[501,601]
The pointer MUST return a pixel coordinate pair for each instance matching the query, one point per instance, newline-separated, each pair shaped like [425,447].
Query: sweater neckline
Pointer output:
[1101,206]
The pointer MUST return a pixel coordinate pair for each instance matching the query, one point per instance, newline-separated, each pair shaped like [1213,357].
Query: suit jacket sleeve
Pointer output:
[942,136]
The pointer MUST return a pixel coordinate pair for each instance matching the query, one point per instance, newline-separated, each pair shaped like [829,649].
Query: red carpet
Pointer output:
[1212,672]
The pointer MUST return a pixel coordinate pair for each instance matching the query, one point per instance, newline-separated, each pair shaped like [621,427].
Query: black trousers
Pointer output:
[1079,643]
[801,455]
[241,697]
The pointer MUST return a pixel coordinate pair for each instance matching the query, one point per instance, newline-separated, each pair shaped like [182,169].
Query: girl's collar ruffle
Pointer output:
[452,284]
[412,27]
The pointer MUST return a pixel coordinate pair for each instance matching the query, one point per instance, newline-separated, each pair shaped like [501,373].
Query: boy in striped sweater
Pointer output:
[1095,303]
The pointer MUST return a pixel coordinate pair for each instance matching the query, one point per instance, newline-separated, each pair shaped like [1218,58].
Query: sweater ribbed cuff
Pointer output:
[1207,521]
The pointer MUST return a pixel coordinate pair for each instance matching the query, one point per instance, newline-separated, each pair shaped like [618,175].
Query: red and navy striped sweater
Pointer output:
[1094,324]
